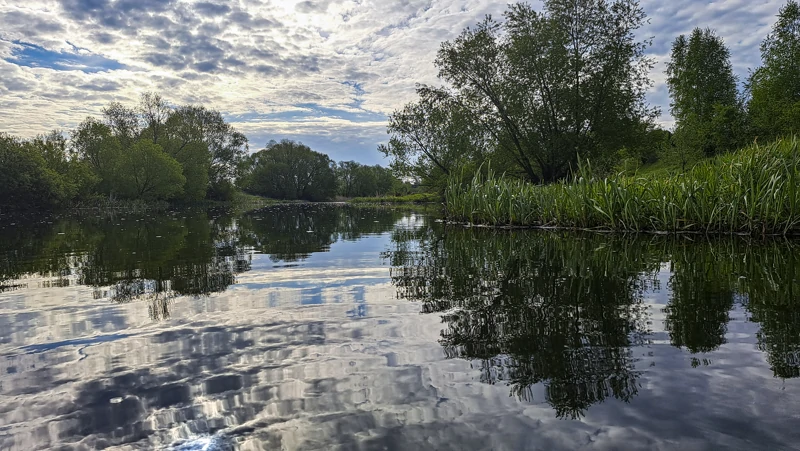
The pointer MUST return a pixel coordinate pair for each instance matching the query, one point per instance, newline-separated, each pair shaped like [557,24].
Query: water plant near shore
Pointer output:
[754,190]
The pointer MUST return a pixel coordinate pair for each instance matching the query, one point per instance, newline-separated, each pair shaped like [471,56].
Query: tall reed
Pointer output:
[754,190]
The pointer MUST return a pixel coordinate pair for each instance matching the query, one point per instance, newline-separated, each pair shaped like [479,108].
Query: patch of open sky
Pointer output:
[306,111]
[31,55]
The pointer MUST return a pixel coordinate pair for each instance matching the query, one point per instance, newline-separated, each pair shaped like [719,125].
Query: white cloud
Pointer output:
[260,57]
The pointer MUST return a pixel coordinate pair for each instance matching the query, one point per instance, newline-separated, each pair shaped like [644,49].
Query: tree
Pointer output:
[94,144]
[24,180]
[554,85]
[432,137]
[185,140]
[154,112]
[209,150]
[705,98]
[124,123]
[346,178]
[149,173]
[226,148]
[774,106]
[291,170]
[358,180]
[685,148]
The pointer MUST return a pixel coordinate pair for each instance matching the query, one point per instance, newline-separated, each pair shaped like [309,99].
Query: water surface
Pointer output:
[332,327]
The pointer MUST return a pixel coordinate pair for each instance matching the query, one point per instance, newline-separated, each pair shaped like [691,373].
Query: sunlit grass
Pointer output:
[752,191]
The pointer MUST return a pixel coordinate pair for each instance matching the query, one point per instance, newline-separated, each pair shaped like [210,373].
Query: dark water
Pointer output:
[324,327]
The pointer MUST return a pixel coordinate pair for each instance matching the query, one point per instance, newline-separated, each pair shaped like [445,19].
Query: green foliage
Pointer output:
[149,173]
[358,180]
[94,144]
[774,106]
[153,152]
[705,104]
[292,171]
[193,127]
[752,191]
[24,180]
[210,151]
[433,136]
[38,173]
[551,86]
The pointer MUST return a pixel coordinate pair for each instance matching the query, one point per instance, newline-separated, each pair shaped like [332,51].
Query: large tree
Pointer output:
[705,97]
[149,173]
[209,150]
[124,122]
[553,85]
[94,144]
[291,170]
[774,106]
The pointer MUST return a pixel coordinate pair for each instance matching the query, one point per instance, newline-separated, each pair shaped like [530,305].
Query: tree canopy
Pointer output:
[152,151]
[774,88]
[539,89]
[291,170]
[705,96]
[433,137]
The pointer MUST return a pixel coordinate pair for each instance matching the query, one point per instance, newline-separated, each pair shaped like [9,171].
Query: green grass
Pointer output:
[754,190]
[410,198]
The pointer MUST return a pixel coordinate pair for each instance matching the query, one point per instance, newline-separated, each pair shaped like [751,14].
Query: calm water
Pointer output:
[325,327]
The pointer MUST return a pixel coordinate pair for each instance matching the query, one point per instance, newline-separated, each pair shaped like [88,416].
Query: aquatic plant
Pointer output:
[754,191]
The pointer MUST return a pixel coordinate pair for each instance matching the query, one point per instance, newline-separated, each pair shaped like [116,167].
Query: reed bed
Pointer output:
[752,191]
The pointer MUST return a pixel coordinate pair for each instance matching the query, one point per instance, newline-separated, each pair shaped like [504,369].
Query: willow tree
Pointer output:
[554,85]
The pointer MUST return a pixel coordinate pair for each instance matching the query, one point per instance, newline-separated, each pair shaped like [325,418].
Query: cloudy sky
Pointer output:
[325,72]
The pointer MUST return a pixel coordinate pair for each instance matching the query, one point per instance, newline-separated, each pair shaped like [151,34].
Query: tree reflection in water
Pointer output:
[560,312]
[565,310]
[158,258]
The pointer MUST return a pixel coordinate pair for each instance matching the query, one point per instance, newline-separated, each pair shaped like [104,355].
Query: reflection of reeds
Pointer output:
[752,191]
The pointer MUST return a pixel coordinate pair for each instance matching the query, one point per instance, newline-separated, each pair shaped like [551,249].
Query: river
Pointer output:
[305,327]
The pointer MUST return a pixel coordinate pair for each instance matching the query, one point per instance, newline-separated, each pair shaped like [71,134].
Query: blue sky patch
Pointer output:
[31,55]
[311,111]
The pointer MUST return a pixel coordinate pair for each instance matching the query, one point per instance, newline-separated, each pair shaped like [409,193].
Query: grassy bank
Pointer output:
[410,198]
[754,191]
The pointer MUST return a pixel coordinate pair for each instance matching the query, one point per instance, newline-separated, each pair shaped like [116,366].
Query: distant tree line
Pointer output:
[155,151]
[541,90]
[291,170]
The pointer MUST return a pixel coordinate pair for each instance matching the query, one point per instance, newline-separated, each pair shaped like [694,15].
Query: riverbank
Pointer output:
[420,198]
[101,205]
[752,191]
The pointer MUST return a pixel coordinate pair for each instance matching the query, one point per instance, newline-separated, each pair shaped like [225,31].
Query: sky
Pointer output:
[325,72]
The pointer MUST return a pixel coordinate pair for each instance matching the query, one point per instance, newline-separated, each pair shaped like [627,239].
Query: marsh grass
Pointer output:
[753,191]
